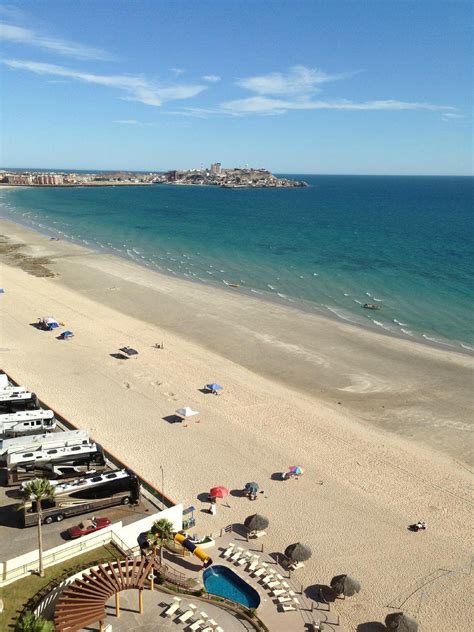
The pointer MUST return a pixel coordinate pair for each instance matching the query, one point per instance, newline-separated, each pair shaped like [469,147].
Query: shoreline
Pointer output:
[364,371]
[298,304]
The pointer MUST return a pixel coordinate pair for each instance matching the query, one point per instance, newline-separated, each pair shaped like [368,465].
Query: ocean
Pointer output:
[404,243]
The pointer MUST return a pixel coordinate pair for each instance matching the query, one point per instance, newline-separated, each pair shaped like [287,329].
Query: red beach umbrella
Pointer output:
[219,492]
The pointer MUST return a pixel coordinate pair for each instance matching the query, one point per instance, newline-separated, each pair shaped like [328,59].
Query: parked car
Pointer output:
[88,526]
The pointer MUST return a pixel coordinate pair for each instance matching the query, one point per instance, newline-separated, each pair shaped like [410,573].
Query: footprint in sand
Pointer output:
[126,385]
[156,383]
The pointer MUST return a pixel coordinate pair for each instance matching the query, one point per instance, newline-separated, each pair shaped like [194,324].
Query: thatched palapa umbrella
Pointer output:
[400,622]
[256,522]
[298,552]
[345,585]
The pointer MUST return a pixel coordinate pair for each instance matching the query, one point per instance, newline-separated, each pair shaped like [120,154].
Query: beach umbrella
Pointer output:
[186,412]
[400,622]
[252,487]
[345,585]
[256,522]
[296,469]
[298,552]
[219,492]
[214,387]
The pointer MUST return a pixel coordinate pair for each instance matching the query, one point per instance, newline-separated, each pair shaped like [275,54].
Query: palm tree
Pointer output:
[160,532]
[29,622]
[35,491]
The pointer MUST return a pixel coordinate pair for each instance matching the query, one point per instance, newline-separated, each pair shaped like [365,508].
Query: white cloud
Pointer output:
[128,122]
[270,106]
[136,88]
[451,116]
[20,35]
[211,78]
[178,71]
[300,80]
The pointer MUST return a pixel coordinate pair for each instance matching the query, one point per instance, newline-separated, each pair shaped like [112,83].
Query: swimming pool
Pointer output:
[222,581]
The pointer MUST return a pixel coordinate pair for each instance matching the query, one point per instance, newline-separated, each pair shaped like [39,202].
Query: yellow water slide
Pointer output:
[195,550]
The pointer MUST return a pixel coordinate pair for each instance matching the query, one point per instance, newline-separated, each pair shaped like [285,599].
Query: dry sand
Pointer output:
[395,449]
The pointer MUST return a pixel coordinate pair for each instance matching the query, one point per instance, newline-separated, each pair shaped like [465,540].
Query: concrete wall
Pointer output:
[123,537]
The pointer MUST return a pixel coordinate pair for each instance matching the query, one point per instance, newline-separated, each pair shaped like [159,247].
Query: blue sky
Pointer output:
[362,87]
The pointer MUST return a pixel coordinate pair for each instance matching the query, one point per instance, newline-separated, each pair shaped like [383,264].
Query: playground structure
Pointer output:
[193,548]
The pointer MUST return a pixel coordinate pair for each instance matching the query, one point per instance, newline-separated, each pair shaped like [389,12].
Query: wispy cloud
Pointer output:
[135,88]
[28,37]
[451,116]
[211,78]
[128,122]
[178,71]
[300,80]
[267,105]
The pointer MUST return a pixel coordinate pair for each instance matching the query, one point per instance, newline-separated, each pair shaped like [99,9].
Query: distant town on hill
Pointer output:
[215,175]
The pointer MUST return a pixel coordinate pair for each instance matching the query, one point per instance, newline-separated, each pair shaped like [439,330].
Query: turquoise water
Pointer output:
[222,581]
[401,242]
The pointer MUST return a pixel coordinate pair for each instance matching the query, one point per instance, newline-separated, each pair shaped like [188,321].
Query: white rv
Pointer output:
[27,422]
[42,442]
[53,462]
[13,400]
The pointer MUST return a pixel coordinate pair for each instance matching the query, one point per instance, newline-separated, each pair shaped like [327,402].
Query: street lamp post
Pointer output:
[162,486]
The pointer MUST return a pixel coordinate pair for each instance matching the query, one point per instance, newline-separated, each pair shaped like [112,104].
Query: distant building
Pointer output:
[19,178]
[216,168]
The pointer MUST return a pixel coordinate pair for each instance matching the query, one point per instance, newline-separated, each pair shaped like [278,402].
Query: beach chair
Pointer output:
[272,585]
[287,607]
[235,556]
[244,559]
[169,612]
[254,564]
[279,592]
[268,578]
[188,614]
[229,550]
[260,571]
[196,625]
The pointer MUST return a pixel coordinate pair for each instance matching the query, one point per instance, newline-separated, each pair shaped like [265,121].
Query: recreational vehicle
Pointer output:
[55,462]
[85,495]
[42,442]
[27,422]
[12,401]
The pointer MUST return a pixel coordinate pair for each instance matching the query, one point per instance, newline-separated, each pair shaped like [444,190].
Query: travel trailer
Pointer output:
[85,495]
[27,422]
[61,461]
[12,401]
[42,442]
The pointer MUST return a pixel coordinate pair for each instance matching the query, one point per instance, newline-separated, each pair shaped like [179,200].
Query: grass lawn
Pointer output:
[16,595]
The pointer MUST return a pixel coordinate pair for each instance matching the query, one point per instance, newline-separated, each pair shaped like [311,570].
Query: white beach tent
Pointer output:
[186,412]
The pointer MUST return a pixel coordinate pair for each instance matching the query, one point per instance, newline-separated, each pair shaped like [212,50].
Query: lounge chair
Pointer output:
[279,592]
[229,550]
[244,559]
[188,614]
[273,584]
[254,564]
[196,625]
[234,557]
[173,607]
[268,578]
[286,607]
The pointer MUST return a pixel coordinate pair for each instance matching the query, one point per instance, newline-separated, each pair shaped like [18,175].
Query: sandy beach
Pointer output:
[381,425]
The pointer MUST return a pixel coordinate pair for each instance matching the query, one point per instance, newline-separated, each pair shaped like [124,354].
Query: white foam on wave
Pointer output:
[137,252]
[379,324]
[368,294]
[407,332]
[467,347]
[255,291]
[270,286]
[379,300]
[356,301]
[338,314]
[315,274]
[346,294]
[437,341]
[399,323]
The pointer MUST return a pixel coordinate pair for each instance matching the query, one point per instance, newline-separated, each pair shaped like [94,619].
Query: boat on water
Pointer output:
[371,306]
[233,284]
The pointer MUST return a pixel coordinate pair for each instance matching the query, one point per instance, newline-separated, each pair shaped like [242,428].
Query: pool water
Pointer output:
[222,581]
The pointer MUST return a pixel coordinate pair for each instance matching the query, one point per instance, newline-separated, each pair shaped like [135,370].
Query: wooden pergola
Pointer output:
[83,601]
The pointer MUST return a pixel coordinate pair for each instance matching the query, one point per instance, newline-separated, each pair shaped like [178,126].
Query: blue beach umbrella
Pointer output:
[252,487]
[214,387]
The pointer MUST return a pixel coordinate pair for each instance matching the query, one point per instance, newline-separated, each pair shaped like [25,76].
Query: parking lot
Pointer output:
[16,540]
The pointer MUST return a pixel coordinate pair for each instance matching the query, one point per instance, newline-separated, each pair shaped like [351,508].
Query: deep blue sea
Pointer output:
[401,242]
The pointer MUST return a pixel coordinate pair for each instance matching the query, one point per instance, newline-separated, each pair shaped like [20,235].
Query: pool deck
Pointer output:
[269,612]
